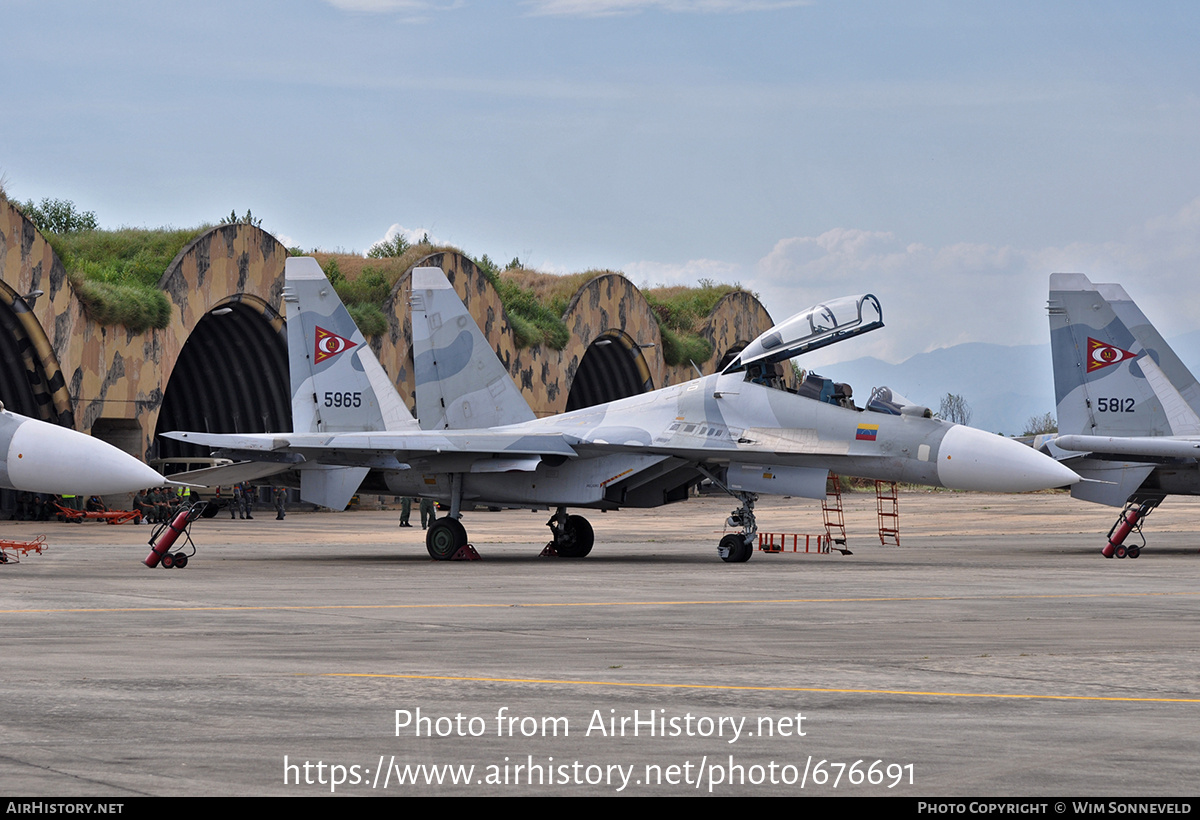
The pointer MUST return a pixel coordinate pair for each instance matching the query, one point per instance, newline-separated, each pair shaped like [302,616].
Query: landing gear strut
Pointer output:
[1130,520]
[572,535]
[736,548]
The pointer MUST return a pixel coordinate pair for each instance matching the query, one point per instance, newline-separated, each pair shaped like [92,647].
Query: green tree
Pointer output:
[396,246]
[248,219]
[333,272]
[59,216]
[490,269]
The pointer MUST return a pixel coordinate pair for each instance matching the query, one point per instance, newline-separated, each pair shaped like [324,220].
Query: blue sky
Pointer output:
[946,156]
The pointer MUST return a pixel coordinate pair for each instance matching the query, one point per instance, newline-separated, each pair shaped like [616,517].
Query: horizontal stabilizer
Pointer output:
[1108,482]
[331,487]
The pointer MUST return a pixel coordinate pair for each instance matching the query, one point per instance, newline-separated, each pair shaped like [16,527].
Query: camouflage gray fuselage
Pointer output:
[718,421]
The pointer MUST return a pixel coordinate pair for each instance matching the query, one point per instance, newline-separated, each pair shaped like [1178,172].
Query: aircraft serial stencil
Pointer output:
[478,441]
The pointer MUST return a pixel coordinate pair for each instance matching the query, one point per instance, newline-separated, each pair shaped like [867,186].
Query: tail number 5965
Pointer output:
[336,399]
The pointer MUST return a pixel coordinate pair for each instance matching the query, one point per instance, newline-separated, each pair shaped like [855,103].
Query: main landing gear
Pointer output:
[445,537]
[572,535]
[1130,520]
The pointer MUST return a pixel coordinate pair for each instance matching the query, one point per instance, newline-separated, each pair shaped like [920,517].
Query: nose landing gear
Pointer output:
[736,548]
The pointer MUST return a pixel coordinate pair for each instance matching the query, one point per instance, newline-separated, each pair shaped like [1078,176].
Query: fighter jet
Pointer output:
[1128,408]
[45,458]
[478,442]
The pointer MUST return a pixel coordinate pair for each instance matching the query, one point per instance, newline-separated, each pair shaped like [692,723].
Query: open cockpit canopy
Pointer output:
[817,327]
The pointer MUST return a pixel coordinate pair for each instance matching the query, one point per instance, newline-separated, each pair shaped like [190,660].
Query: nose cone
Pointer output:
[45,458]
[970,459]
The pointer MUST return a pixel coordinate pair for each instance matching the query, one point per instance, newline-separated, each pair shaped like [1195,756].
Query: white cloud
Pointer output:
[608,8]
[653,274]
[408,10]
[964,292]
[412,235]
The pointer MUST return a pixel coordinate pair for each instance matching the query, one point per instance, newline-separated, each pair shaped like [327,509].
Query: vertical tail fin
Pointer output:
[461,383]
[337,383]
[1114,375]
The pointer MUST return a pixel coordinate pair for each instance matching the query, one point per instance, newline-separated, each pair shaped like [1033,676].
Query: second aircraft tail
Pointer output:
[1114,374]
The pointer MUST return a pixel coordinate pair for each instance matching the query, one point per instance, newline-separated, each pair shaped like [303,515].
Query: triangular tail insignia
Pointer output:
[329,344]
[1101,354]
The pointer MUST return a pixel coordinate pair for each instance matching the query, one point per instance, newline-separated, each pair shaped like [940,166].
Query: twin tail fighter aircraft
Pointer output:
[1128,408]
[479,443]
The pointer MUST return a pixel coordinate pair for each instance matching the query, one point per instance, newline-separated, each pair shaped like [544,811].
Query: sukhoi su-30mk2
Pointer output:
[479,443]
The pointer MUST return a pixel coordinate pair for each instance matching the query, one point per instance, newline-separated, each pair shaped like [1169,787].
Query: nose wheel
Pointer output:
[734,549]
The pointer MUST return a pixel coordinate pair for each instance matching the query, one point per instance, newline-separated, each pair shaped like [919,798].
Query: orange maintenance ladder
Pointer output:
[887,505]
[831,509]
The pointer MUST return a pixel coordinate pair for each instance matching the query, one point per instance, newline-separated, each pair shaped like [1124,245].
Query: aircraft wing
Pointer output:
[229,474]
[332,466]
[389,450]
[417,442]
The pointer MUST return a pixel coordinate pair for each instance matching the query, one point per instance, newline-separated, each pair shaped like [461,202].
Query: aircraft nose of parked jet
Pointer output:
[50,459]
[971,459]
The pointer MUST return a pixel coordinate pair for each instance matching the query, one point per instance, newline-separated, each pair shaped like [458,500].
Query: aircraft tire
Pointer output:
[580,538]
[747,552]
[734,549]
[444,538]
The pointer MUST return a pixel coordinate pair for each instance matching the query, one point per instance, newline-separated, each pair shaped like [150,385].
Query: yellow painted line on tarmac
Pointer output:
[856,600]
[725,687]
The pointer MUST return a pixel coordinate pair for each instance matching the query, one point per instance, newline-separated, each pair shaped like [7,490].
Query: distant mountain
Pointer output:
[1005,386]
